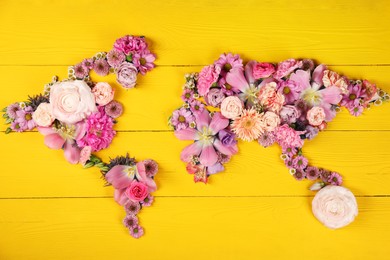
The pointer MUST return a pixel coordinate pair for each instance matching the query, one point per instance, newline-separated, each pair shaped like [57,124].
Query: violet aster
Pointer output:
[101,67]
[130,221]
[181,118]
[136,231]
[151,167]
[312,173]
[132,207]
[147,201]
[114,109]
[12,109]
[229,61]
[144,61]
[80,71]
[24,118]
[115,58]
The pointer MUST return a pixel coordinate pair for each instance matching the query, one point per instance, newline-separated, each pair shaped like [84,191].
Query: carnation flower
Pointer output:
[130,221]
[101,67]
[132,207]
[80,71]
[288,137]
[99,131]
[181,118]
[270,98]
[12,109]
[144,61]
[114,109]
[331,78]
[249,126]
[130,44]
[85,154]
[115,58]
[136,231]
[286,67]
[207,77]
[151,167]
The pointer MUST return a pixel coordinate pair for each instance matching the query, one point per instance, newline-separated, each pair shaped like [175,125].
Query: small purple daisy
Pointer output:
[299,175]
[181,118]
[147,201]
[115,58]
[151,167]
[114,109]
[136,231]
[80,71]
[335,179]
[300,162]
[188,95]
[132,207]
[196,106]
[101,67]
[266,139]
[312,173]
[130,221]
[12,109]
[87,64]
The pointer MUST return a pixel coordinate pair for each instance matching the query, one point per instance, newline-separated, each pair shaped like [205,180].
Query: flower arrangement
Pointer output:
[285,103]
[78,116]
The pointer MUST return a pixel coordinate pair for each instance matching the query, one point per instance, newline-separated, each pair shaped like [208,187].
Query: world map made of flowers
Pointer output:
[282,103]
[78,116]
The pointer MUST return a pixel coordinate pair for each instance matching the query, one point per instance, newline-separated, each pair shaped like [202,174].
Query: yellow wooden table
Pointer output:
[50,209]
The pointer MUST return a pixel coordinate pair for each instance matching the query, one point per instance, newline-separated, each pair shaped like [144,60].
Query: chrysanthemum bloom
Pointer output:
[130,221]
[114,109]
[229,61]
[12,109]
[181,118]
[249,126]
[101,67]
[80,71]
[87,63]
[136,231]
[130,44]
[266,139]
[144,61]
[147,201]
[196,106]
[299,175]
[24,118]
[187,95]
[115,58]
[206,139]
[300,162]
[335,179]
[151,167]
[132,207]
[312,173]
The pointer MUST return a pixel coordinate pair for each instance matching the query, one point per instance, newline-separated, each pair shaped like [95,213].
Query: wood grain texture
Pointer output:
[53,210]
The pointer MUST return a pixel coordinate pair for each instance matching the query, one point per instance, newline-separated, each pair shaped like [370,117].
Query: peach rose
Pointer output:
[270,98]
[335,206]
[316,116]
[331,78]
[103,93]
[43,115]
[231,107]
[72,101]
[271,121]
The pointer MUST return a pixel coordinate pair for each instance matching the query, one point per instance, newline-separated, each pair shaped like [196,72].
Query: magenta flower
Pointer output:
[136,231]
[288,137]
[115,58]
[130,44]
[98,131]
[290,90]
[206,142]
[335,179]
[181,118]
[207,77]
[300,162]
[144,61]
[24,118]
[87,64]
[80,71]
[286,67]
[229,61]
[101,67]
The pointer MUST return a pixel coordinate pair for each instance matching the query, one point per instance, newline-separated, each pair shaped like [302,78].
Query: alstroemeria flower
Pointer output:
[206,139]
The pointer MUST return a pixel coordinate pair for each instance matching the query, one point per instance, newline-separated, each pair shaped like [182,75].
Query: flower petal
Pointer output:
[191,150]
[331,95]
[318,74]
[237,80]
[249,71]
[329,112]
[54,141]
[302,78]
[187,134]
[215,168]
[46,130]
[71,152]
[145,179]
[202,119]
[120,196]
[208,156]
[227,150]
[118,178]
[218,122]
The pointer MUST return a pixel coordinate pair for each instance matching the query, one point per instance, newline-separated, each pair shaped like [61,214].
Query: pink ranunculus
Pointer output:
[263,70]
[270,98]
[331,78]
[71,101]
[335,206]
[286,67]
[232,107]
[126,75]
[85,154]
[289,114]
[103,93]
[271,121]
[316,116]
[137,191]
[207,77]
[43,115]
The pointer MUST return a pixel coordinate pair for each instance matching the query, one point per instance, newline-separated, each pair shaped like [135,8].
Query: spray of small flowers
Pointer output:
[78,116]
[285,103]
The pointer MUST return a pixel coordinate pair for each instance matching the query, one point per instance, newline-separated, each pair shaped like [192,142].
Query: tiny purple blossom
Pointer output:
[147,201]
[299,175]
[181,118]
[130,221]
[312,173]
[80,71]
[132,207]
[335,179]
[115,58]
[300,162]
[101,67]
[136,231]
[12,109]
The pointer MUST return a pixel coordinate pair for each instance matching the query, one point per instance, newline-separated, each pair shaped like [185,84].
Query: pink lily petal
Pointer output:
[118,178]
[237,80]
[145,179]
[266,81]
[249,71]
[331,95]
[46,130]
[329,112]
[81,129]
[187,134]
[71,152]
[191,150]
[202,119]
[302,78]
[218,122]
[318,74]
[208,156]
[54,141]
[215,168]
[227,150]
[120,196]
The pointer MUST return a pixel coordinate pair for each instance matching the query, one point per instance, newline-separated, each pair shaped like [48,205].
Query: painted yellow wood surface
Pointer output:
[254,210]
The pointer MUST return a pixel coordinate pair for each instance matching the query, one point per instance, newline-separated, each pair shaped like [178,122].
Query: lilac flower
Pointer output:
[115,58]
[130,221]
[80,71]
[227,138]
[101,67]
[147,201]
[335,179]
[206,139]
[151,167]
[196,106]
[216,168]
[132,207]
[144,61]
[15,126]
[12,109]
[87,64]
[311,132]
[214,97]
[266,139]
[299,175]
[188,95]
[289,163]
[229,61]
[136,231]
[290,90]
[114,109]
[24,118]
[181,118]
[290,151]
[312,173]
[300,162]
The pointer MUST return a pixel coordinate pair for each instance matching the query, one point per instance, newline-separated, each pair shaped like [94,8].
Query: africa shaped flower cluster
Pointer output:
[284,103]
[78,116]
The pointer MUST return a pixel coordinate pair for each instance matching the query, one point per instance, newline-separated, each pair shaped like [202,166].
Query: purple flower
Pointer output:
[299,175]
[188,95]
[151,167]
[131,44]
[206,139]
[324,174]
[356,111]
[126,74]
[196,106]
[147,201]
[335,179]
[266,139]
[115,58]
[300,162]
[290,151]
[136,231]
[216,168]
[289,114]
[214,97]
[289,163]
[80,71]
[229,61]
[132,207]
[290,90]
[130,221]
[87,64]
[227,138]
[181,118]
[312,173]
[24,118]
[12,109]
[114,109]
[101,67]
[144,61]
[15,126]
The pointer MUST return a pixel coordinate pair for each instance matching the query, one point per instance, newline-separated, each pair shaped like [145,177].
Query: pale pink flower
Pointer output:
[286,67]
[288,137]
[72,101]
[214,97]
[144,61]
[207,77]
[249,126]
[43,115]
[126,75]
[229,61]
[331,78]
[270,98]
[315,116]
[263,70]
[101,67]
[335,206]
[232,107]
[115,58]
[103,93]
[270,120]
[85,154]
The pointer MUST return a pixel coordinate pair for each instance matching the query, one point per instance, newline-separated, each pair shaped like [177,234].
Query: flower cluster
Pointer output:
[78,116]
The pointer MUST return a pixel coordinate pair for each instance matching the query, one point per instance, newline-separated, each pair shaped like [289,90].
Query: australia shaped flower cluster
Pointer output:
[78,116]
[284,103]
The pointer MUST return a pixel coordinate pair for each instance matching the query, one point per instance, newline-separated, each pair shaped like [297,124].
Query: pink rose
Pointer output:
[286,67]
[316,116]
[85,154]
[331,78]
[214,97]
[103,93]
[126,75]
[232,107]
[289,114]
[271,121]
[263,70]
[137,191]
[71,101]
[43,115]
[335,206]
[270,98]
[207,77]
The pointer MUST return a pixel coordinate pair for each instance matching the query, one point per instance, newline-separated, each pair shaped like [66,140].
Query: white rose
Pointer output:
[43,115]
[232,107]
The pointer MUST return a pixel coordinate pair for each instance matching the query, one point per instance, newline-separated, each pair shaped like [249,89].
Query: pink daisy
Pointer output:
[101,67]
[136,231]
[249,126]
[181,118]
[130,221]
[114,109]
[188,95]
[151,167]
[12,109]
[266,139]
[144,61]
[87,64]
[147,201]
[229,61]
[196,106]
[299,175]
[300,162]
[80,71]
[335,179]
[115,58]
[132,207]
[312,173]
[24,118]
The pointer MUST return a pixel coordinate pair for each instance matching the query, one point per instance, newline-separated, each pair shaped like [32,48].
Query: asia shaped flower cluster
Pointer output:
[284,103]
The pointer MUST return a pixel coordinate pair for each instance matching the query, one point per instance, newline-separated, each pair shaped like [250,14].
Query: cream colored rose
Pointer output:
[331,78]
[72,101]
[335,206]
[103,93]
[231,107]
[43,115]
[271,121]
[316,116]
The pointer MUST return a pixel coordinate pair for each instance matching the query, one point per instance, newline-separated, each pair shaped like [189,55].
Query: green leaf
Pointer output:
[95,159]
[100,165]
[5,115]
[129,57]
[4,109]
[9,130]
[104,169]
[88,165]
[9,121]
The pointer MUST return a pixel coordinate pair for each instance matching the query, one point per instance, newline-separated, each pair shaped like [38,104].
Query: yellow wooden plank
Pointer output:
[148,106]
[192,228]
[191,32]
[29,168]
